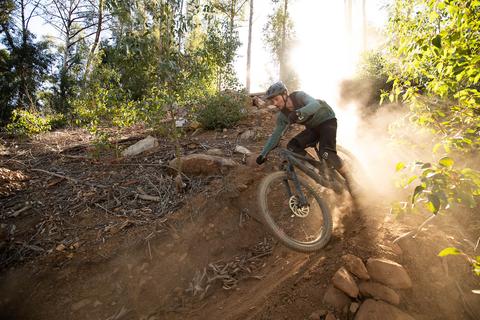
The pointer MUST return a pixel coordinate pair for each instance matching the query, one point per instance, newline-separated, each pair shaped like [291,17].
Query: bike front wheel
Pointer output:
[302,228]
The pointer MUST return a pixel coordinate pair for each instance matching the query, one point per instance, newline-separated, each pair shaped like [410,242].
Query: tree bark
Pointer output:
[249,46]
[96,40]
[283,46]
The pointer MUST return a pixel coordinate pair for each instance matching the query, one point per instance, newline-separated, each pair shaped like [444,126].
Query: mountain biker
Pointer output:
[317,117]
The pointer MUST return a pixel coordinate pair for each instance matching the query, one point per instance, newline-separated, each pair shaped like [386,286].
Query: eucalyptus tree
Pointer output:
[279,36]
[227,15]
[75,21]
[249,46]
[24,61]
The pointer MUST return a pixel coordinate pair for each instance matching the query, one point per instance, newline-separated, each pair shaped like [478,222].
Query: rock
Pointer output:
[215,152]
[396,249]
[330,316]
[356,266]
[317,315]
[389,273]
[194,125]
[247,135]
[336,298]
[379,310]
[379,291]
[203,164]
[141,146]
[256,101]
[242,150]
[180,122]
[345,282]
[354,307]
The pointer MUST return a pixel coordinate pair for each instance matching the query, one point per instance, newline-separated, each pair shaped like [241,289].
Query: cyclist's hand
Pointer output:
[293,117]
[260,159]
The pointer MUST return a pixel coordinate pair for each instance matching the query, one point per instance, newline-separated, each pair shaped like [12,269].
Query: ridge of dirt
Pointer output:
[80,251]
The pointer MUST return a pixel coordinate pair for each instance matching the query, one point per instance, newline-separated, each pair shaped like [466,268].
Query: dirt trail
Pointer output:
[208,258]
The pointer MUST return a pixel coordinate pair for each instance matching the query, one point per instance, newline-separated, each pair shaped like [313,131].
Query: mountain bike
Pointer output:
[291,206]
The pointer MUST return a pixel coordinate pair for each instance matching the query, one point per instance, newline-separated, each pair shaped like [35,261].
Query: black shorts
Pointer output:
[325,135]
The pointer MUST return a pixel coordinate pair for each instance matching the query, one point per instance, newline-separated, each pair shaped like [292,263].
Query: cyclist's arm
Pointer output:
[311,105]
[280,128]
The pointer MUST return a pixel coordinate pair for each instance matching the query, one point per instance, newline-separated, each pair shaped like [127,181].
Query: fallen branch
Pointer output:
[148,197]
[69,178]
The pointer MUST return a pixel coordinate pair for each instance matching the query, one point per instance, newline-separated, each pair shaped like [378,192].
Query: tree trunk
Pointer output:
[283,45]
[180,32]
[96,41]
[249,46]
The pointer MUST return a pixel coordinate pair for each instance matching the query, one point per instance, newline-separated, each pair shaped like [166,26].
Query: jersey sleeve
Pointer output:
[280,128]
[311,106]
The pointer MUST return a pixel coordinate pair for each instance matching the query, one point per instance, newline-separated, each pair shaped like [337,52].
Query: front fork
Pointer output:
[292,175]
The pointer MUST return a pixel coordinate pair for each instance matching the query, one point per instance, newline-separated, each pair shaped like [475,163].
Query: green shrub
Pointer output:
[26,123]
[222,110]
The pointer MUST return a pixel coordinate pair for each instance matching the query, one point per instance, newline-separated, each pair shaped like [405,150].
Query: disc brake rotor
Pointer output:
[301,212]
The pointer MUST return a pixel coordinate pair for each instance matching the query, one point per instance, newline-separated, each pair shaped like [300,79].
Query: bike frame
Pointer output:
[296,160]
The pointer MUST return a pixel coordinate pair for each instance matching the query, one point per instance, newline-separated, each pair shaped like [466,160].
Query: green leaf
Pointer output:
[418,189]
[436,147]
[446,162]
[433,204]
[426,166]
[411,179]
[437,41]
[449,251]
[399,166]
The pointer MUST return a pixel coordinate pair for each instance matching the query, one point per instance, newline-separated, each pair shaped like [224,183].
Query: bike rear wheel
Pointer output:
[304,229]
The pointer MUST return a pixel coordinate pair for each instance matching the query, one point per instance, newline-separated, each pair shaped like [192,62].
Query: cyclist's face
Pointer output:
[282,101]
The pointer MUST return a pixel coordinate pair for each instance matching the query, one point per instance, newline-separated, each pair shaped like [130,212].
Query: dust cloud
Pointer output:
[380,137]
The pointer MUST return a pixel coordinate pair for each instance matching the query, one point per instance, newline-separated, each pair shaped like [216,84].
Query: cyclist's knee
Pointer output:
[295,146]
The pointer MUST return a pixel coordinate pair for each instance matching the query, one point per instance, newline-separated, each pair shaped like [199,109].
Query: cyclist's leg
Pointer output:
[327,143]
[305,139]
[328,151]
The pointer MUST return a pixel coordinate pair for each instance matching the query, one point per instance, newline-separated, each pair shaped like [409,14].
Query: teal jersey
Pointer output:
[312,113]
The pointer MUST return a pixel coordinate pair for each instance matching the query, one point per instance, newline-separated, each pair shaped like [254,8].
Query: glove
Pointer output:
[293,117]
[260,159]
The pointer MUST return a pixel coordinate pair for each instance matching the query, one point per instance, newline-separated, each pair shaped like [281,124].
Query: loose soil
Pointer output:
[82,237]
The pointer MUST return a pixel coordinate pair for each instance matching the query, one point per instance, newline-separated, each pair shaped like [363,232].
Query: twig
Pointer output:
[69,178]
[148,197]
[416,231]
[149,249]
[16,213]
[150,165]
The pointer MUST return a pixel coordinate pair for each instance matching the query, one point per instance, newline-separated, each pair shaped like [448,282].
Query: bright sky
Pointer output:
[321,58]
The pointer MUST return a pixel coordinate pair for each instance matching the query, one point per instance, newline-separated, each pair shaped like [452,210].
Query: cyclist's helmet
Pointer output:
[275,89]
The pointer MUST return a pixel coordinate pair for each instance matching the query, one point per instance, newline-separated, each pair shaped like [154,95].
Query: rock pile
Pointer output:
[365,291]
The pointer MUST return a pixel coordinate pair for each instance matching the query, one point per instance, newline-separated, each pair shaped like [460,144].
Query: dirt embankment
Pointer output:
[85,243]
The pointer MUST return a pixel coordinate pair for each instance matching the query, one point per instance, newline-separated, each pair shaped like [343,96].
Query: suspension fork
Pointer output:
[293,175]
